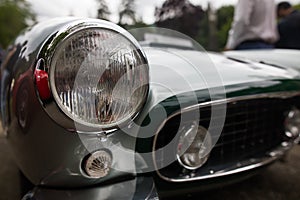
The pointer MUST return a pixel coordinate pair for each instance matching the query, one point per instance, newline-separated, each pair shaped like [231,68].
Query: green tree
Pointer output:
[180,15]
[15,15]
[203,32]
[225,18]
[103,11]
[127,12]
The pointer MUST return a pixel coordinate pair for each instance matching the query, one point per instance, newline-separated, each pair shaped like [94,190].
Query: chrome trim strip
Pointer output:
[281,95]
[240,167]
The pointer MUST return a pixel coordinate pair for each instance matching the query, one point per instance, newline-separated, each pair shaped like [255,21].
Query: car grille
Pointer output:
[252,128]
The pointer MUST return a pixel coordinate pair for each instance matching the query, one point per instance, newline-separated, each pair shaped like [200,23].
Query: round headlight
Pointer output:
[292,123]
[99,77]
[193,146]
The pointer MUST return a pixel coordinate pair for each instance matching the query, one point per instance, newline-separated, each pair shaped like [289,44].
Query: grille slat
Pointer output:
[251,127]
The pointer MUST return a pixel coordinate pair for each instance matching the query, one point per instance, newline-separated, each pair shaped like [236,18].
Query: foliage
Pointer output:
[225,18]
[203,32]
[171,9]
[127,12]
[180,15]
[15,15]
[189,19]
[103,10]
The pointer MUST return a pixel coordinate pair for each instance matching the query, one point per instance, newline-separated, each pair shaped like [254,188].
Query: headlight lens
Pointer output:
[193,146]
[99,77]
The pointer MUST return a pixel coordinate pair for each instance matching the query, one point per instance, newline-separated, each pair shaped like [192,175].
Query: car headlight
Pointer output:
[98,75]
[193,146]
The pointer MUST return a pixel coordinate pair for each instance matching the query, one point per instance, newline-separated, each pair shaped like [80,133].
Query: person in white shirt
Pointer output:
[254,25]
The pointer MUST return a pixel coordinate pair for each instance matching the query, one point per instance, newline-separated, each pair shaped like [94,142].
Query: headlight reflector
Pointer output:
[192,147]
[99,78]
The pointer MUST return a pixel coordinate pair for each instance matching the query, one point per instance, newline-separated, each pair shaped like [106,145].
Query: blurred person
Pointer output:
[288,27]
[254,25]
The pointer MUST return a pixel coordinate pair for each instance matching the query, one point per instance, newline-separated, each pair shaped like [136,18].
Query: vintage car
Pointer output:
[91,113]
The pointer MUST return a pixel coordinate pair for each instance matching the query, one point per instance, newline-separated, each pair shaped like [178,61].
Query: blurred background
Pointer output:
[206,21]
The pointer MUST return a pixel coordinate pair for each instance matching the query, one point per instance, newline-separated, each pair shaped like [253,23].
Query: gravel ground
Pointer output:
[278,182]
[9,175]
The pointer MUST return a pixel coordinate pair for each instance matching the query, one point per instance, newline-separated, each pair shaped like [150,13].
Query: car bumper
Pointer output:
[141,188]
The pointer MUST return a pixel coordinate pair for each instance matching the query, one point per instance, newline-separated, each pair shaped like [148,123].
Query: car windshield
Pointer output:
[164,38]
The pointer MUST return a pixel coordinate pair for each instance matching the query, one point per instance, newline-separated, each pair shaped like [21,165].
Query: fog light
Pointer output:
[193,146]
[98,164]
[292,123]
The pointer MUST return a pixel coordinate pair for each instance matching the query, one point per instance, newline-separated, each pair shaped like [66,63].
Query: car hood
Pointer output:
[174,71]
[280,57]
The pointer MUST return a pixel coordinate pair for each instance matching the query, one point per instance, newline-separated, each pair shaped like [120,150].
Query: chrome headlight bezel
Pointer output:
[48,52]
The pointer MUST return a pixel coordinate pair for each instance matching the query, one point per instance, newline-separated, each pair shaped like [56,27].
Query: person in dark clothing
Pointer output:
[288,27]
